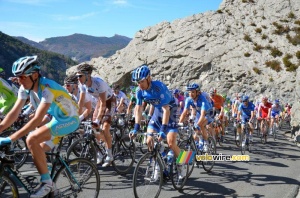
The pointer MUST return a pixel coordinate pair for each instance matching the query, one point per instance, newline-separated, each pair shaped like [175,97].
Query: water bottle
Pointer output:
[170,157]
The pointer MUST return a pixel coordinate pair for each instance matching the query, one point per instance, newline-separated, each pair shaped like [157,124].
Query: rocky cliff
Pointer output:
[249,46]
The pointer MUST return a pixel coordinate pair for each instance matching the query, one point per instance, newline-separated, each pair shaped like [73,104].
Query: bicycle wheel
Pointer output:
[124,156]
[8,188]
[82,148]
[80,178]
[208,165]
[148,177]
[236,134]
[179,175]
[18,145]
[187,145]
[274,131]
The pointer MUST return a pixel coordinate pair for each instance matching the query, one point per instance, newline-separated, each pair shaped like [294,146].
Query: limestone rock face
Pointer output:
[228,49]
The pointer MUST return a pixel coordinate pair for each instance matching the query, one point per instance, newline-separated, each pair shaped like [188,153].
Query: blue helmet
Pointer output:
[276,101]
[192,86]
[175,91]
[140,73]
[245,98]
[25,65]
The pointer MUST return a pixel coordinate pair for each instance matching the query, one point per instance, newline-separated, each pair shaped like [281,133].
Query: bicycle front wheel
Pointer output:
[212,150]
[82,148]
[148,177]
[80,178]
[8,189]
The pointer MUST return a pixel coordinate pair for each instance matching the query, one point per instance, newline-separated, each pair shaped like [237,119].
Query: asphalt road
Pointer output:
[273,171]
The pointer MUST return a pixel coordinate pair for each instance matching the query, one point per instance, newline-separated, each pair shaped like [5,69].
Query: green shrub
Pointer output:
[297,22]
[253,24]
[247,54]
[298,54]
[291,15]
[275,65]
[219,11]
[258,30]
[247,38]
[288,64]
[256,70]
[271,41]
[284,20]
[295,40]
[264,37]
[244,1]
[275,52]
[271,79]
[257,47]
[263,26]
[263,17]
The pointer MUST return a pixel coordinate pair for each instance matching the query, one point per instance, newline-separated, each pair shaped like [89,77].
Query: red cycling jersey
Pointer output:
[264,108]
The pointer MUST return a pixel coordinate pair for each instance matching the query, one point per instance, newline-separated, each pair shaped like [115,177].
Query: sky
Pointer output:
[40,19]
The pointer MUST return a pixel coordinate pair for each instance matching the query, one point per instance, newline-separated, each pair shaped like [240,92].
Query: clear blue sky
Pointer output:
[40,19]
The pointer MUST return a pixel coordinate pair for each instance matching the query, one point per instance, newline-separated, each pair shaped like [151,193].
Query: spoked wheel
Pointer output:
[148,177]
[179,175]
[211,150]
[187,146]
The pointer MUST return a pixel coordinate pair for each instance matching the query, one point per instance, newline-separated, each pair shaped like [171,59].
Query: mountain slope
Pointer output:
[53,65]
[84,47]
[248,46]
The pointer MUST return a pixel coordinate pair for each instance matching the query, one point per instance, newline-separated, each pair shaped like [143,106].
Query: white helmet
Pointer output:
[25,65]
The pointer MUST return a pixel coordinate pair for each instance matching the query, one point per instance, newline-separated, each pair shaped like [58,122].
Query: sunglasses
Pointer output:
[23,77]
[79,76]
[69,85]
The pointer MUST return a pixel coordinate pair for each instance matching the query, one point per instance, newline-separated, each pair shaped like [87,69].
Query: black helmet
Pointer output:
[71,79]
[85,68]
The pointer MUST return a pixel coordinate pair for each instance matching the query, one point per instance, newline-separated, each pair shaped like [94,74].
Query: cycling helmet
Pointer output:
[224,96]
[276,101]
[192,86]
[85,68]
[245,98]
[71,79]
[211,91]
[25,65]
[140,73]
[186,94]
[2,72]
[175,91]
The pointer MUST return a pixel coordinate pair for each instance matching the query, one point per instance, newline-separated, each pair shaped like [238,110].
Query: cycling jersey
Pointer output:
[200,104]
[276,110]
[218,101]
[246,111]
[99,86]
[264,109]
[7,97]
[63,109]
[121,95]
[158,95]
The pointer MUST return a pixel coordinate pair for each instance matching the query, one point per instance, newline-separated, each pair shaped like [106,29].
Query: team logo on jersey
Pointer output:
[153,101]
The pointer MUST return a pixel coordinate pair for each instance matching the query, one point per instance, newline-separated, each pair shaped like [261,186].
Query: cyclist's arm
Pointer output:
[138,113]
[33,123]
[81,101]
[183,115]
[151,110]
[88,109]
[166,114]
[129,108]
[13,114]
[202,117]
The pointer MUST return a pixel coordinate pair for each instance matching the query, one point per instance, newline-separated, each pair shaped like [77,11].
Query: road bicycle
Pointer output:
[152,170]
[73,178]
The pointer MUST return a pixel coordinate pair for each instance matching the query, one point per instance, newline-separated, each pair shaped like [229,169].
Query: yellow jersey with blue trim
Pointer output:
[50,91]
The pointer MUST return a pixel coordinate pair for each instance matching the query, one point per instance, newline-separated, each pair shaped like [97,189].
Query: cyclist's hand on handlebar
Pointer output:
[180,124]
[133,133]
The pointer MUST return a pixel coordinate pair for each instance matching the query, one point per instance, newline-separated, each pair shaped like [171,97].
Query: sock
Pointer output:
[109,152]
[45,178]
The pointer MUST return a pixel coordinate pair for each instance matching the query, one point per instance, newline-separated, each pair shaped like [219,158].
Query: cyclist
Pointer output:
[245,114]
[7,94]
[275,113]
[202,111]
[264,111]
[122,100]
[218,102]
[180,98]
[79,94]
[105,107]
[227,108]
[163,120]
[49,97]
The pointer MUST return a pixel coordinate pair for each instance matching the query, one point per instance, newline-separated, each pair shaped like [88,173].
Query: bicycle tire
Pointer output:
[243,148]
[186,145]
[124,156]
[20,144]
[178,183]
[8,188]
[274,131]
[208,165]
[142,178]
[140,139]
[82,148]
[68,183]
[237,142]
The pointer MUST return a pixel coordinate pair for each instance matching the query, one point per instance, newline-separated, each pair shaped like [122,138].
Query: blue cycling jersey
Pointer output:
[157,95]
[201,103]
[246,110]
